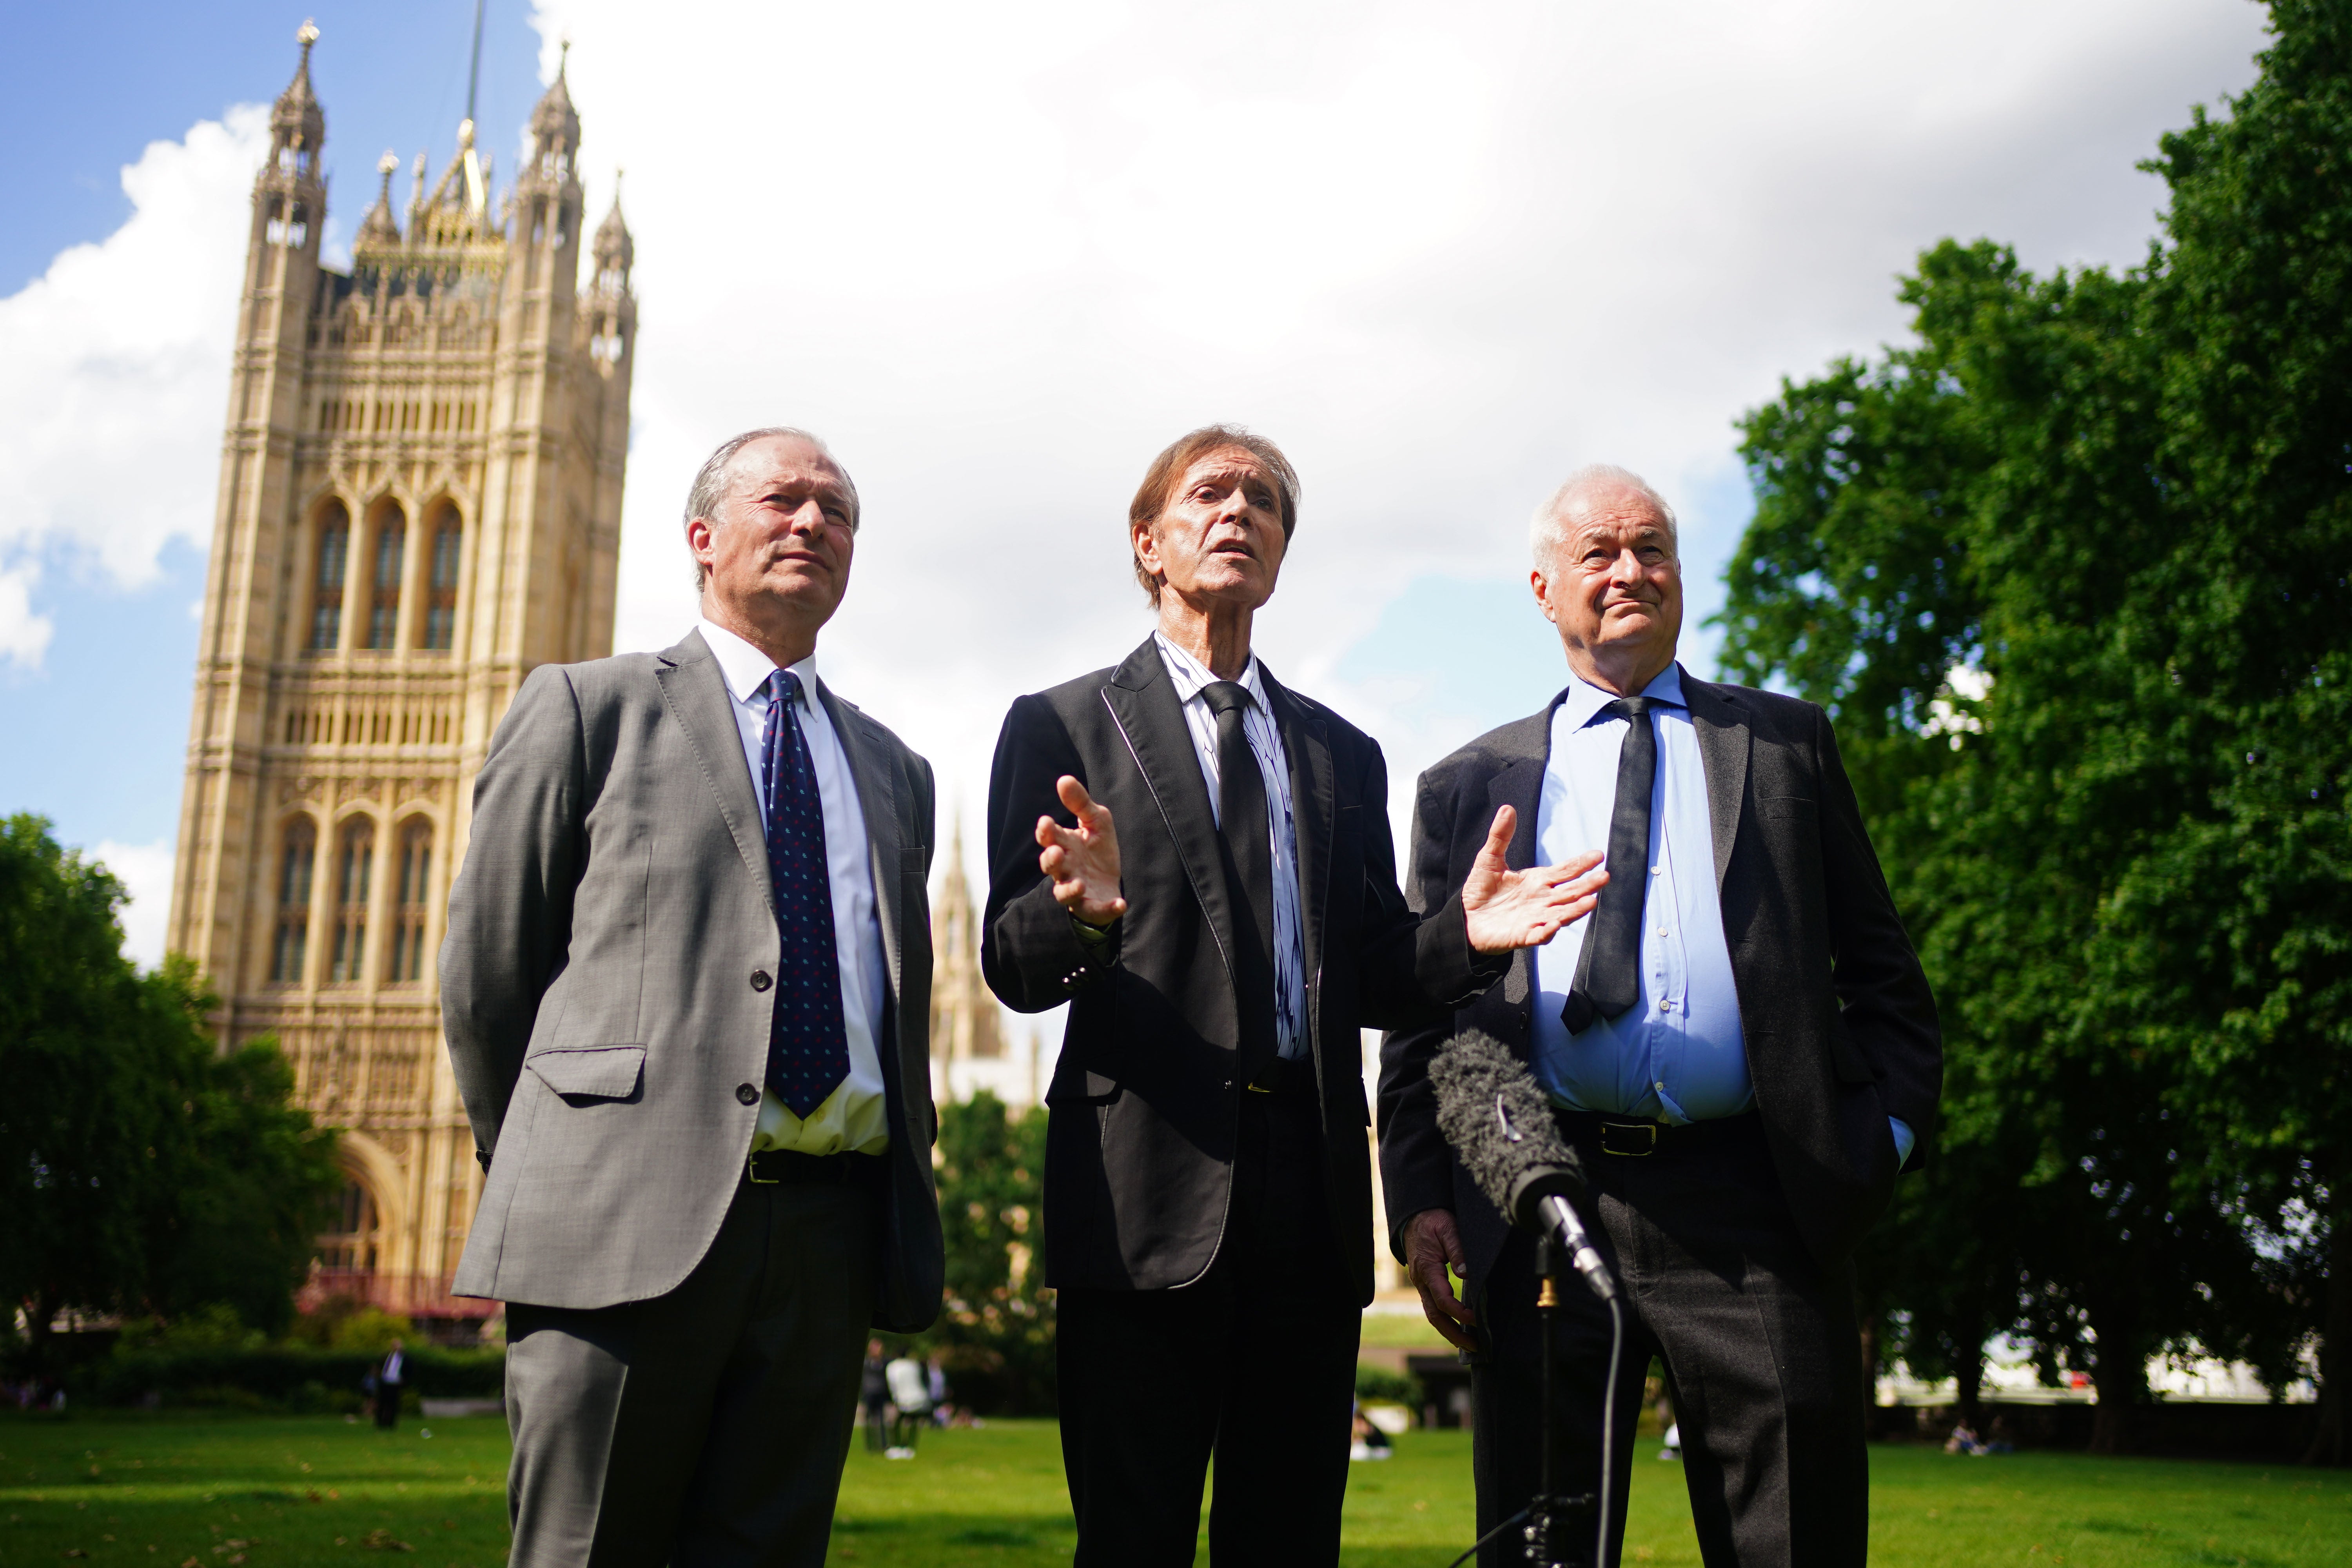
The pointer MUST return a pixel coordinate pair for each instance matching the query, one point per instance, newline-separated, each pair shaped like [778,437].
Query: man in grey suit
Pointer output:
[686,989]
[1740,1042]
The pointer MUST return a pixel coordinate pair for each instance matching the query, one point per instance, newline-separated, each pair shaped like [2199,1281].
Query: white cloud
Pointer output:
[24,636]
[1000,255]
[145,872]
[115,374]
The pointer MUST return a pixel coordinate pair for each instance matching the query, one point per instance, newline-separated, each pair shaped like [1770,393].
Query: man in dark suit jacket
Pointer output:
[1741,1042]
[687,993]
[1208,1200]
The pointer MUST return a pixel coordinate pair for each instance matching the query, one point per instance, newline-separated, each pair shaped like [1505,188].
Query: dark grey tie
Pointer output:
[1244,824]
[1609,970]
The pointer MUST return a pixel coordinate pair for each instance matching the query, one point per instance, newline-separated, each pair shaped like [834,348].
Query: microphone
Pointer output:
[1491,1111]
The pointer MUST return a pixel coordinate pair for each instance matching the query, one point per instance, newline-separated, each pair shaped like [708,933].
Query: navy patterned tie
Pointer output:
[808,1048]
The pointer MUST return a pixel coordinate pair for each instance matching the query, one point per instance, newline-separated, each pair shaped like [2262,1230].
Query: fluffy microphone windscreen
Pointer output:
[1490,1108]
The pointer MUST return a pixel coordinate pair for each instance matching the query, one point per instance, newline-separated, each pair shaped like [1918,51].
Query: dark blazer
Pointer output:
[1146,1098]
[598,990]
[1841,1029]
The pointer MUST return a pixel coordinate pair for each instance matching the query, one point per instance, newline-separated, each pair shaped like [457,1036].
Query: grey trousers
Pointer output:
[1761,1353]
[705,1428]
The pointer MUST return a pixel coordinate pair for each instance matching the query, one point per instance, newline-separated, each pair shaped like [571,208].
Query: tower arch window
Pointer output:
[350,1246]
[354,860]
[293,934]
[327,578]
[408,917]
[384,583]
[441,612]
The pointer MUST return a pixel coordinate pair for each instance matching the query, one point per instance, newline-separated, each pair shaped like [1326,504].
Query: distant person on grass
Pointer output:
[687,988]
[389,1378]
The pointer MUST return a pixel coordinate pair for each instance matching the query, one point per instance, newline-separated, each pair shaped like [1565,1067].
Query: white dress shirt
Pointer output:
[1191,678]
[855,1117]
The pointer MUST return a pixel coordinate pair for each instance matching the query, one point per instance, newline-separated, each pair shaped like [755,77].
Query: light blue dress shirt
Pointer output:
[1678,1055]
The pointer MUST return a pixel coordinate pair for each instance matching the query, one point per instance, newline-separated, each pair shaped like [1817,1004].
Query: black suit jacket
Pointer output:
[1146,1098]
[1840,1026]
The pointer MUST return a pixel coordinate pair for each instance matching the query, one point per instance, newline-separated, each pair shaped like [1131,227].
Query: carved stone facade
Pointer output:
[420,502]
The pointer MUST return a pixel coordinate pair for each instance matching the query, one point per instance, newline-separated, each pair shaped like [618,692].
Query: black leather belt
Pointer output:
[1630,1138]
[1285,1076]
[771,1167]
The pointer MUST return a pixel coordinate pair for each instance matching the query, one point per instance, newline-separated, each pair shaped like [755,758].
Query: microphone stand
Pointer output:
[1549,1509]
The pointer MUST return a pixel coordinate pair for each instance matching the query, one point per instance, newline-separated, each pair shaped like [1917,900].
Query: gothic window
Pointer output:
[293,901]
[356,858]
[408,917]
[327,582]
[441,613]
[351,1245]
[384,599]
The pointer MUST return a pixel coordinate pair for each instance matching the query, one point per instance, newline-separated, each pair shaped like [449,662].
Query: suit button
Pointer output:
[748,1095]
[760,981]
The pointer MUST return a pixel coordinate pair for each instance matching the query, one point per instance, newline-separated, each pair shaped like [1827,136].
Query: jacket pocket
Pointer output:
[590,1072]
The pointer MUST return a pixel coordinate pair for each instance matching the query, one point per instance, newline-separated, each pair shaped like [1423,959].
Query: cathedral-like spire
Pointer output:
[614,250]
[554,123]
[380,227]
[297,122]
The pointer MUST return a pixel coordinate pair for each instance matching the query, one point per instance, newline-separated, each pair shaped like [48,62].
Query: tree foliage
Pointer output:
[996,1333]
[2071,571]
[141,1169]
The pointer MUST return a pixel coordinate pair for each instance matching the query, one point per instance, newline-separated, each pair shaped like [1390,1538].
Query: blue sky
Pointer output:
[1000,255]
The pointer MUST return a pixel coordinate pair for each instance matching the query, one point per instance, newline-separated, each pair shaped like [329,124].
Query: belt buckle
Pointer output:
[751,1172]
[1619,1138]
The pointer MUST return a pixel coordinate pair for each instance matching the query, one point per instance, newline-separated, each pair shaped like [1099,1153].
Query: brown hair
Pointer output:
[1169,468]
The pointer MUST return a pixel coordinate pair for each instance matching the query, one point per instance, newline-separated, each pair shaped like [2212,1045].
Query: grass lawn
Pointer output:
[191,1490]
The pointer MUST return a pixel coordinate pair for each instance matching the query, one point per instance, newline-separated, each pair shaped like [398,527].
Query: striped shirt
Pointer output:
[1191,678]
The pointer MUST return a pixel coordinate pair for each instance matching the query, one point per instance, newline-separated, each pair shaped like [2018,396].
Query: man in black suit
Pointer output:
[1740,1041]
[1208,1199]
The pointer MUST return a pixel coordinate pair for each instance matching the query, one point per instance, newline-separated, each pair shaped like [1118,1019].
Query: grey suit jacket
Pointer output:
[597,991]
[1840,1027]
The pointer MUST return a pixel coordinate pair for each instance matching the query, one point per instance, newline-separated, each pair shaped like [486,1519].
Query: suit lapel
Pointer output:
[1721,723]
[1524,751]
[697,694]
[878,803]
[1306,740]
[1143,701]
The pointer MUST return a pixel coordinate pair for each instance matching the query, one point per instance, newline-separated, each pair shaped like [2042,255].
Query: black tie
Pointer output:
[1243,823]
[1609,971]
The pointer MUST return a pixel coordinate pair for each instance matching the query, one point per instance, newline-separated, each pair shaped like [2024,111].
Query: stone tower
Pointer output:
[967,1042]
[420,501]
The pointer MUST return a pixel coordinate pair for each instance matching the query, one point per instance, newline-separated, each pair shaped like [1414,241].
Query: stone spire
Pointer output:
[554,123]
[296,121]
[380,227]
[614,252]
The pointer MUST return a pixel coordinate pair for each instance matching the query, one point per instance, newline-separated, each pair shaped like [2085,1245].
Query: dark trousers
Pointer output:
[387,1403]
[1253,1363]
[706,1427]
[1761,1353]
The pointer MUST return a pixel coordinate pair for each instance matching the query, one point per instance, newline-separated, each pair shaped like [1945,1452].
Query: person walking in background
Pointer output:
[1740,1044]
[686,989]
[910,1402]
[1207,1190]
[389,1377]
[874,1399]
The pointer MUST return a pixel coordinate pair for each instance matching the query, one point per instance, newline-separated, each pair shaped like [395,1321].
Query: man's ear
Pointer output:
[1543,595]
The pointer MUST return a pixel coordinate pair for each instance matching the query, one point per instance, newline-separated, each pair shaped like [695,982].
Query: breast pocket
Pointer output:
[584,1074]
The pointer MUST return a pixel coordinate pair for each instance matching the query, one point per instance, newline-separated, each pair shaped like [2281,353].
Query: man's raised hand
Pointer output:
[1083,861]
[1507,908]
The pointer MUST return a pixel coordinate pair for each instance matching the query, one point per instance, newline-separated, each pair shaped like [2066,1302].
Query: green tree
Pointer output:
[996,1333]
[144,1171]
[2120,504]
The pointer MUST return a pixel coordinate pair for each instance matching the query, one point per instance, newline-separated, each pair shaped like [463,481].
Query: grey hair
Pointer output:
[1544,529]
[710,479]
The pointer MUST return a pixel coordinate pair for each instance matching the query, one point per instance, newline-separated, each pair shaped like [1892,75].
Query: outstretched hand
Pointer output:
[1507,908]
[1083,861]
